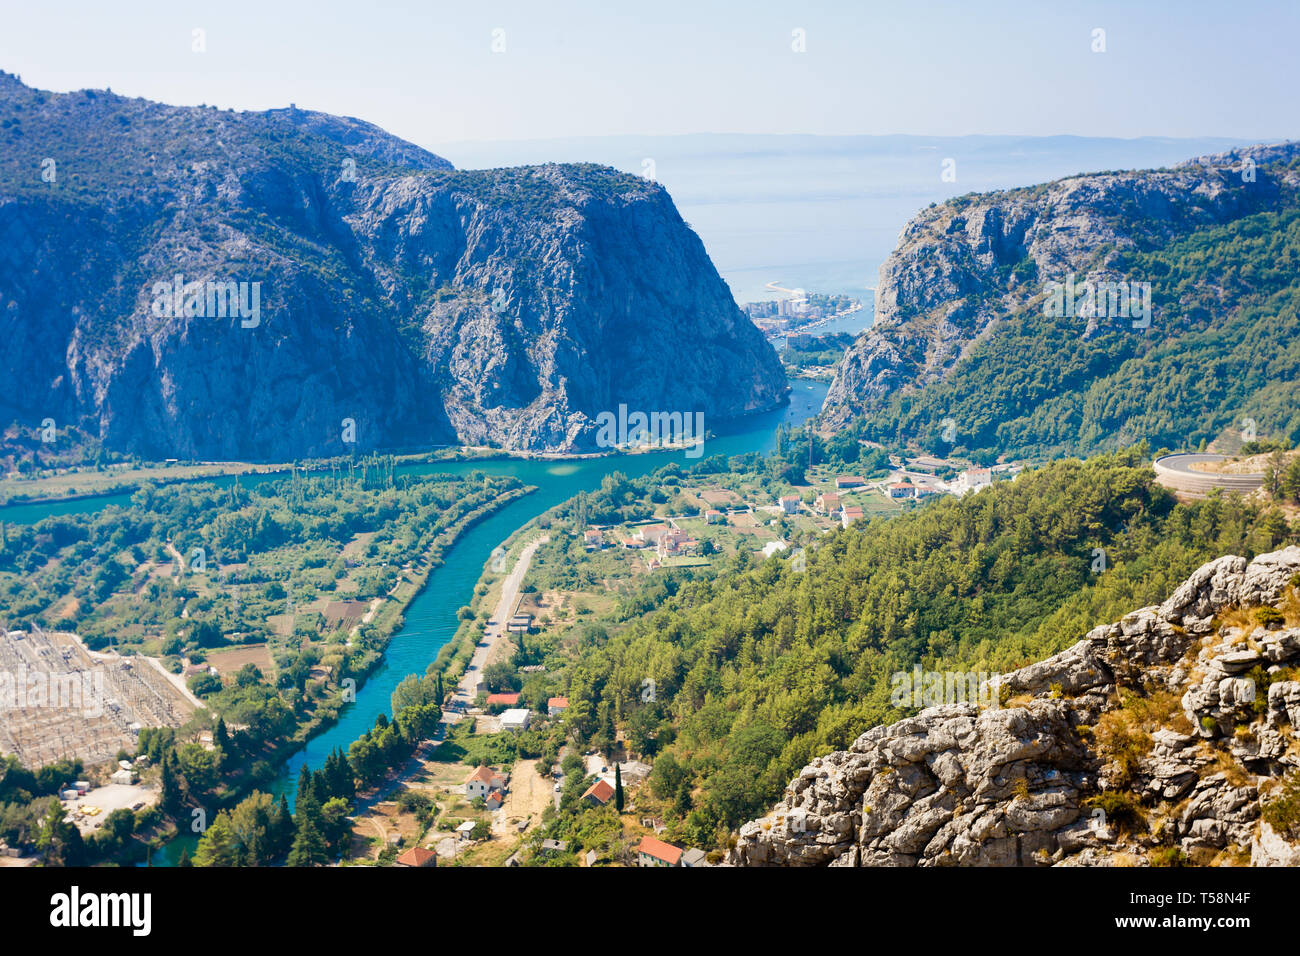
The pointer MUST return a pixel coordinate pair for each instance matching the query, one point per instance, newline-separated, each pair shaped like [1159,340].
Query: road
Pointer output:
[1179,473]
[467,689]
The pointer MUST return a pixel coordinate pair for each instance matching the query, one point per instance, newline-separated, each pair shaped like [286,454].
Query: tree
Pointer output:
[198,767]
[220,737]
[59,840]
[170,798]
[336,824]
[217,845]
[280,830]
[308,844]
[618,788]
[306,784]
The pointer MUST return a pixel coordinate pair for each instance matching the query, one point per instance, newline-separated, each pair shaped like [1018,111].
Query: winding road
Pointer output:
[1177,472]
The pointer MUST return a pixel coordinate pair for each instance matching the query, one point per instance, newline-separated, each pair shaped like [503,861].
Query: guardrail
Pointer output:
[1173,472]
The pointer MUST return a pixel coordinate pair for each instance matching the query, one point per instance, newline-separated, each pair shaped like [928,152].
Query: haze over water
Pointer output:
[823,212]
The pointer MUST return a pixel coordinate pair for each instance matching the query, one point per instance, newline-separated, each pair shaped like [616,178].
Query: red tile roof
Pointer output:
[601,790]
[417,856]
[659,850]
[508,699]
[485,774]
[560,702]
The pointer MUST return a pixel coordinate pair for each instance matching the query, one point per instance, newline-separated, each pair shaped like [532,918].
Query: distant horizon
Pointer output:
[516,71]
[775,134]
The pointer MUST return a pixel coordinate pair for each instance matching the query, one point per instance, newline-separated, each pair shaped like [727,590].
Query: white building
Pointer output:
[515,719]
[972,479]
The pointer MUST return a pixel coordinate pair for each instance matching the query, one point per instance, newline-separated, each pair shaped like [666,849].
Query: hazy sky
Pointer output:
[428,71]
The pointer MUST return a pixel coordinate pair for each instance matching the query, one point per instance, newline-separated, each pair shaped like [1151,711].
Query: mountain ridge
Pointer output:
[402,302]
[960,332]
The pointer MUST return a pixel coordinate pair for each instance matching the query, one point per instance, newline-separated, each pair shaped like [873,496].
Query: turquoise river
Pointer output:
[430,619]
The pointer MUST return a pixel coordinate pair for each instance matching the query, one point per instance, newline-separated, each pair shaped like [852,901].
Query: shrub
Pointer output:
[1282,812]
[1269,617]
[1121,809]
[1168,856]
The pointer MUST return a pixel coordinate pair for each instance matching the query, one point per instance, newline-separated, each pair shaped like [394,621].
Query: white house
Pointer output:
[972,479]
[484,781]
[516,719]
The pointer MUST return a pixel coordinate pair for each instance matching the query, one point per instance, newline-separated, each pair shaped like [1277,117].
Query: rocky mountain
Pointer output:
[196,282]
[974,339]
[1167,737]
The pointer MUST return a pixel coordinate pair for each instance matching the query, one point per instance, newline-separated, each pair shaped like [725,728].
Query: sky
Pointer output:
[435,72]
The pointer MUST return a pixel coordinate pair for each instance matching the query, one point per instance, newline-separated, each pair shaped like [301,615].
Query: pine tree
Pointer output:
[305,784]
[308,844]
[280,831]
[217,846]
[220,737]
[170,797]
[618,788]
[185,858]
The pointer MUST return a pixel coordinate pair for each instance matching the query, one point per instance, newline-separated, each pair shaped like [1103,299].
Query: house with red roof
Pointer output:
[599,793]
[828,503]
[418,857]
[556,705]
[483,781]
[652,852]
[502,700]
[849,481]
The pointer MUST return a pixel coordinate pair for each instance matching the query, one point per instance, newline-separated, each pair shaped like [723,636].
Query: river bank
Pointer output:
[430,622]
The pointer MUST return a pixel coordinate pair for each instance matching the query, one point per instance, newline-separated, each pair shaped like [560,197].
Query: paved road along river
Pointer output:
[431,617]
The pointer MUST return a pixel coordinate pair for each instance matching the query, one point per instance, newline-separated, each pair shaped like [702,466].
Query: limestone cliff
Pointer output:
[1168,736]
[425,305]
[965,270]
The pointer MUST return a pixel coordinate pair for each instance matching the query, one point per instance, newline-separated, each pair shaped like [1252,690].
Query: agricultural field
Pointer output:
[242,600]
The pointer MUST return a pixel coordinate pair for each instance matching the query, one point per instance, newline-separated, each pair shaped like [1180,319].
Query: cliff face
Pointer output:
[425,305]
[963,266]
[1168,732]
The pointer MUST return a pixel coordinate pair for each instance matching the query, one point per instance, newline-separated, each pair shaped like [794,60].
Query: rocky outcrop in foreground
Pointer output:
[1158,739]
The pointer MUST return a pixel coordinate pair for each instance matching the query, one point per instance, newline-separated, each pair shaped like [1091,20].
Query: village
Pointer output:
[829,501]
[491,812]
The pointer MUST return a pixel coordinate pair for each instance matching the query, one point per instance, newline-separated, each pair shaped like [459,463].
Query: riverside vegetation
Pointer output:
[196,571]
